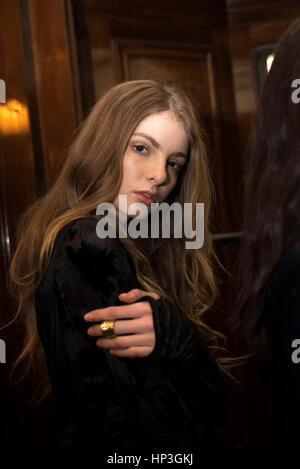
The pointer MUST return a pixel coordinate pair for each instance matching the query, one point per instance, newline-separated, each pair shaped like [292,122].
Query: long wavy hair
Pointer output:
[92,174]
[272,204]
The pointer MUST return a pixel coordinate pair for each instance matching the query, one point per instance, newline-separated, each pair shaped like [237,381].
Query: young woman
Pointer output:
[119,319]
[268,305]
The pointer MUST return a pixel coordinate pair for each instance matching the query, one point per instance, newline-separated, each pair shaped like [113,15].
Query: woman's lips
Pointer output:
[144,198]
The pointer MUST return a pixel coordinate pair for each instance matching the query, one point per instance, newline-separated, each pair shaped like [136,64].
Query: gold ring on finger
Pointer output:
[107,328]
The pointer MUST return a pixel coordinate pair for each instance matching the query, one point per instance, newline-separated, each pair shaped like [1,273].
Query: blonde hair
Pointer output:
[93,174]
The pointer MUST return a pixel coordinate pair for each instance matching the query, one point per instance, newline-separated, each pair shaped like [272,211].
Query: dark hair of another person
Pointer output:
[272,203]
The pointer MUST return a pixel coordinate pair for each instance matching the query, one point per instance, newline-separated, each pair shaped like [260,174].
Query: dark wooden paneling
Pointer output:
[191,12]
[84,55]
[17,162]
[190,68]
[256,11]
[39,63]
[56,79]
[17,186]
[196,57]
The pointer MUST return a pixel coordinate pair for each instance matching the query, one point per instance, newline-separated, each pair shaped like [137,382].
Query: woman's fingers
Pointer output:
[134,328]
[136,294]
[125,341]
[118,312]
[125,326]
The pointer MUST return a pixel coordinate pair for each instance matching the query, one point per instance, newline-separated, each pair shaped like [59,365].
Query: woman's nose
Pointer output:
[158,173]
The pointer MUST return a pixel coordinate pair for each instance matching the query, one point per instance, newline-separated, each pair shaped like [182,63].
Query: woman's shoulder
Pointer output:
[82,233]
[79,253]
[78,243]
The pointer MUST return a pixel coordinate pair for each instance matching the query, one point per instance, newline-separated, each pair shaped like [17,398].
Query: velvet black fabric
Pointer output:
[282,321]
[172,399]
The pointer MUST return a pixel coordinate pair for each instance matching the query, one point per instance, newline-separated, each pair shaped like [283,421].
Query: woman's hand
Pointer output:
[138,323]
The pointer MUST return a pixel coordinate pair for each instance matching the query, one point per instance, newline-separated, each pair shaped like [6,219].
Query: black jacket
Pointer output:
[173,398]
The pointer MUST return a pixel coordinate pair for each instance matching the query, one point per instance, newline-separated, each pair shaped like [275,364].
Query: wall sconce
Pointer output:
[14,118]
[269,61]
[262,56]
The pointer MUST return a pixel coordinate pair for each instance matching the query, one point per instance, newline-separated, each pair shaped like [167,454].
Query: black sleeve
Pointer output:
[176,394]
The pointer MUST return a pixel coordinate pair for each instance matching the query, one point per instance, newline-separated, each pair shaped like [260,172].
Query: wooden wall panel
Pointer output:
[17,188]
[142,45]
[17,161]
[258,11]
[40,65]
[199,13]
[56,78]
[190,68]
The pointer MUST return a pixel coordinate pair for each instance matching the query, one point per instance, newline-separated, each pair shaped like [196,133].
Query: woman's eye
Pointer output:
[175,166]
[140,148]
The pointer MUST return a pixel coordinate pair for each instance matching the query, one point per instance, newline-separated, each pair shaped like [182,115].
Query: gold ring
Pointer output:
[107,328]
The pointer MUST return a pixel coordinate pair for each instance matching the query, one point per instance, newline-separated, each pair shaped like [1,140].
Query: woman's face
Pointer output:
[156,154]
